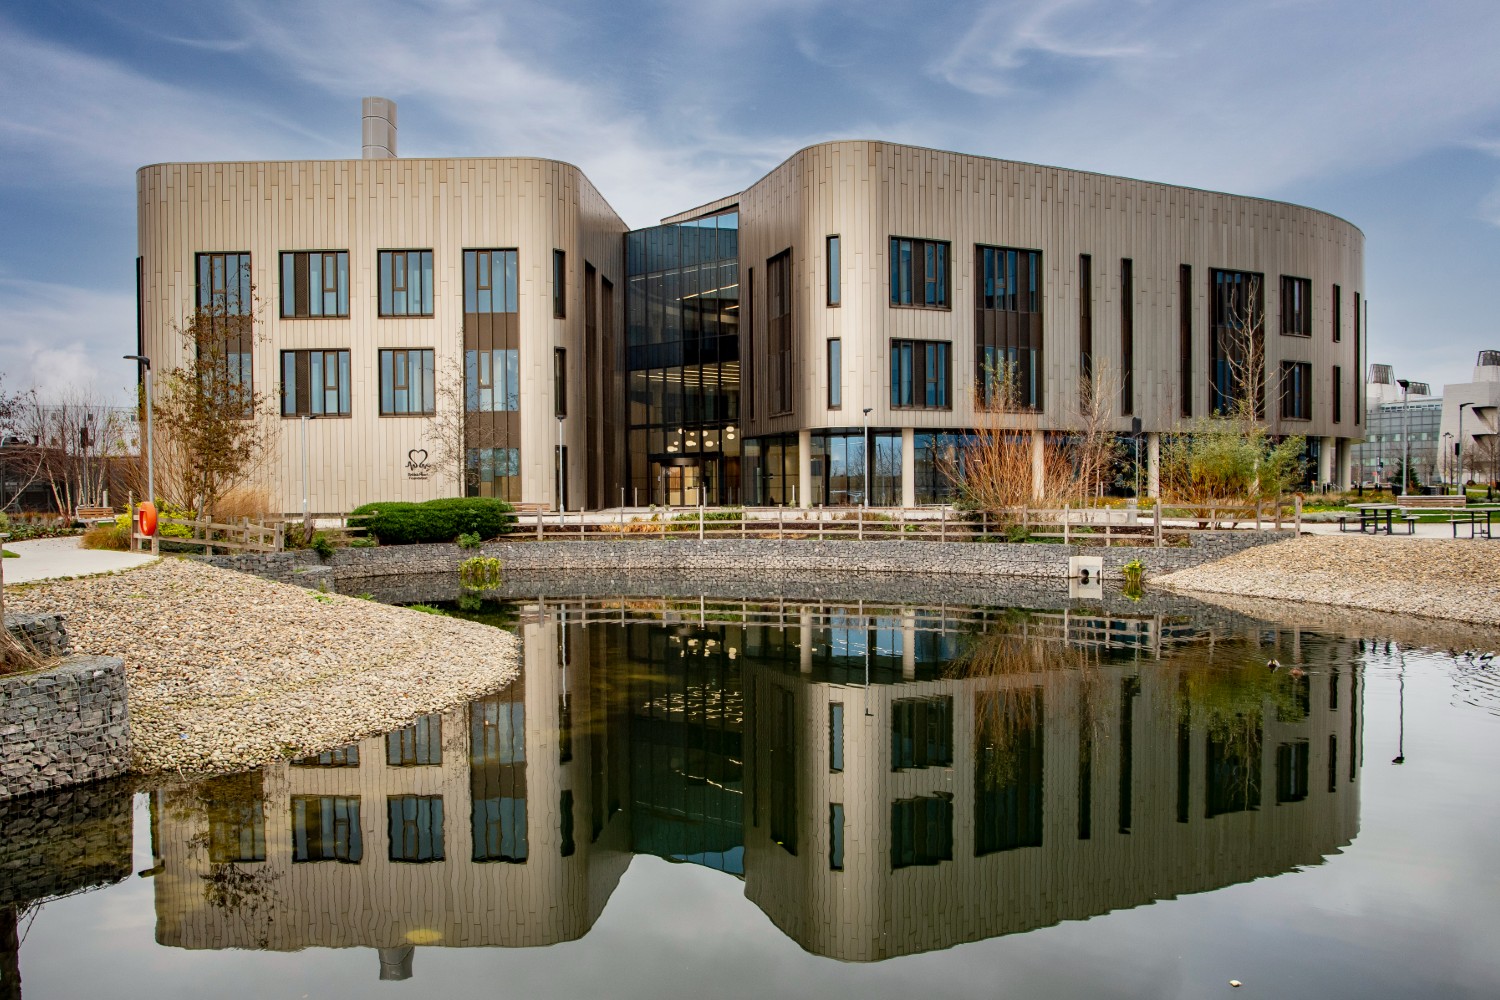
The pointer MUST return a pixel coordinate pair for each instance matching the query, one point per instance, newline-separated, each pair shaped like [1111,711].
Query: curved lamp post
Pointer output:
[145,364]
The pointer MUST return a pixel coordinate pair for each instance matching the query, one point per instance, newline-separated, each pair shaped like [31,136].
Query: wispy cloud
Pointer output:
[56,337]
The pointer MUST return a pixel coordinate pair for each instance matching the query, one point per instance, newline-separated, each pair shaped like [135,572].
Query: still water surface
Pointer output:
[750,798]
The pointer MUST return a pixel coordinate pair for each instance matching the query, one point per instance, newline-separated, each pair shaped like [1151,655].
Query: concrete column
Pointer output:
[908,468]
[1346,456]
[1153,464]
[1038,464]
[908,647]
[805,646]
[804,468]
[1327,447]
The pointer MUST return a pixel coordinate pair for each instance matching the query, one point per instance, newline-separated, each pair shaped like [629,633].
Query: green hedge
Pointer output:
[403,523]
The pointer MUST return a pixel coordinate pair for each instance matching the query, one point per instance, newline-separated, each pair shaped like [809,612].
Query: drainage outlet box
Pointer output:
[1085,569]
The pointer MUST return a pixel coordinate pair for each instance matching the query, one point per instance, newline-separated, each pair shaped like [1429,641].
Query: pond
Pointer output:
[727,794]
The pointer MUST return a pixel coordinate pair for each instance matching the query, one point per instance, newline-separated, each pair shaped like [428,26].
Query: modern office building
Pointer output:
[823,337]
[1451,436]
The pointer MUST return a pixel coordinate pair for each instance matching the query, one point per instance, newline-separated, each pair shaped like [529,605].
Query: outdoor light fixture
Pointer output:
[145,362]
[1405,384]
[866,497]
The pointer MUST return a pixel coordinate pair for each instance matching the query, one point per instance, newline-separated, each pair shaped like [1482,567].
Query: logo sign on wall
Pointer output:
[416,464]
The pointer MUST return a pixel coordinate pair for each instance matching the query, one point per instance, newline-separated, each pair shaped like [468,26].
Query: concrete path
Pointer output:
[52,558]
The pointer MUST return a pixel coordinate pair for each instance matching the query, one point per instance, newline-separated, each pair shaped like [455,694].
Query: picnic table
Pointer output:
[1371,514]
[1479,519]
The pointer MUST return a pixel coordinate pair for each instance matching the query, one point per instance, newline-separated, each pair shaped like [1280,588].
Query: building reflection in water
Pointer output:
[884,780]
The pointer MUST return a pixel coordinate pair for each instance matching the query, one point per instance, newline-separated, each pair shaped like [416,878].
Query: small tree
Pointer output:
[68,443]
[212,426]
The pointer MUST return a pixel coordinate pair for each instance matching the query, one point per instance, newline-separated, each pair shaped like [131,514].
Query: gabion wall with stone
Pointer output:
[44,634]
[713,557]
[63,726]
[58,843]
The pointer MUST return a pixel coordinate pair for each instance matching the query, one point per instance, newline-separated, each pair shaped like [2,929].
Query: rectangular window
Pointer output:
[492,379]
[342,757]
[836,836]
[834,289]
[1338,401]
[315,283]
[416,828]
[921,831]
[1236,328]
[1291,771]
[1127,336]
[920,374]
[1086,324]
[1008,745]
[567,847]
[226,301]
[1338,314]
[919,273]
[236,810]
[921,733]
[835,373]
[417,745]
[326,828]
[1296,307]
[497,778]
[1296,390]
[224,284]
[406,282]
[406,382]
[560,381]
[1359,396]
[779,328]
[836,737]
[491,279]
[1008,328]
[315,383]
[559,283]
[494,472]
[1185,339]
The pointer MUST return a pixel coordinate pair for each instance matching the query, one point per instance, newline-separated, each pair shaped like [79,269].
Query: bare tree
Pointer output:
[212,426]
[447,428]
[69,443]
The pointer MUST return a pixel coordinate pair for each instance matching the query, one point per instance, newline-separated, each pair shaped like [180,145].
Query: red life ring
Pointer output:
[146,512]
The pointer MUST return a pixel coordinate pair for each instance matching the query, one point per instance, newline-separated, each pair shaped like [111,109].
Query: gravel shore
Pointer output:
[226,671]
[1456,580]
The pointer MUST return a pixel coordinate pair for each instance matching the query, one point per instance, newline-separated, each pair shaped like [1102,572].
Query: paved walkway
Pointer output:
[54,558]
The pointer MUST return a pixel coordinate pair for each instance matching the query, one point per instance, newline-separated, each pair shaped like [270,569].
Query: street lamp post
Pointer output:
[1405,384]
[306,507]
[1447,456]
[144,362]
[559,463]
[866,446]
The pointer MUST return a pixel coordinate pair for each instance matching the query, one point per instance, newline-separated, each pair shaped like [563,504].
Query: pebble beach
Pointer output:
[226,671]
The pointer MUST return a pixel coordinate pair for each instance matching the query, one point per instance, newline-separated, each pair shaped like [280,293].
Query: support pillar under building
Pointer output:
[1153,464]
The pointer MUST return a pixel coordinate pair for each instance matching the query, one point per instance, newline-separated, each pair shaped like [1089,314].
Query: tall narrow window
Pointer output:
[226,299]
[567,847]
[315,284]
[1296,307]
[417,745]
[1185,339]
[560,381]
[1359,395]
[836,836]
[326,828]
[1338,403]
[1236,341]
[315,383]
[1008,327]
[1085,326]
[406,282]
[559,284]
[406,382]
[836,737]
[416,828]
[835,373]
[919,273]
[1338,314]
[834,291]
[779,327]
[1127,336]
[493,379]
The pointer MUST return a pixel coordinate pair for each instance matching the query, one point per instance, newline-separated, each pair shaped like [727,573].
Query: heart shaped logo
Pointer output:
[416,457]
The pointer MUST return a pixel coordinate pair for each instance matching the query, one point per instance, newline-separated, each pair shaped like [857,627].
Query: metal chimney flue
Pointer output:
[379,128]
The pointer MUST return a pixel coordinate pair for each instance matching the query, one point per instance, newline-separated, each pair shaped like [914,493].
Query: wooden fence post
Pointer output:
[1157,519]
[1297,512]
[1066,508]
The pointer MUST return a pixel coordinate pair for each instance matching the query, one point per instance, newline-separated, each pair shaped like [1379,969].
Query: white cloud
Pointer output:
[60,337]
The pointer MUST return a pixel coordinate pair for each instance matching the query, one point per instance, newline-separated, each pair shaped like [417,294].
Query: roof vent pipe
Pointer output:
[379,128]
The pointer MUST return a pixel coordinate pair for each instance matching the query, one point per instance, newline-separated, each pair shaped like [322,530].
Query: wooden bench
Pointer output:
[1411,523]
[94,515]
[1440,500]
[530,508]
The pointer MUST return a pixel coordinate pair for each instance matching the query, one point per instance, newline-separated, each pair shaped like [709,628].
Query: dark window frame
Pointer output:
[920,263]
[301,290]
[1338,314]
[834,355]
[426,366]
[297,399]
[560,381]
[386,268]
[1338,397]
[1296,306]
[833,261]
[928,372]
[559,284]
[1296,390]
[1127,336]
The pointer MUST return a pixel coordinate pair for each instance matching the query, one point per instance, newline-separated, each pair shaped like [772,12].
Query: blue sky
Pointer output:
[1385,112]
